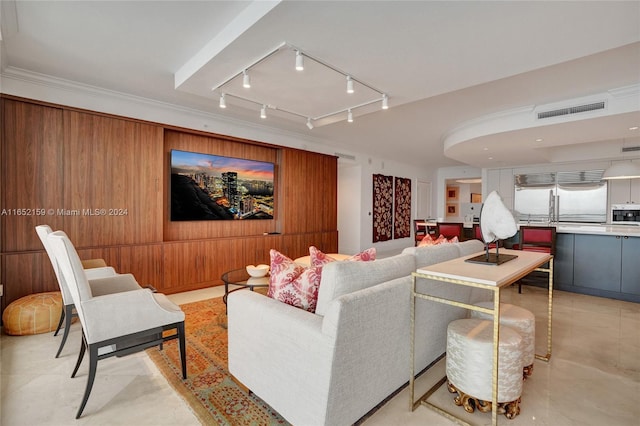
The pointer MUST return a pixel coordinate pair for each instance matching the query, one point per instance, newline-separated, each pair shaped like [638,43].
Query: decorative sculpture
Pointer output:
[496,223]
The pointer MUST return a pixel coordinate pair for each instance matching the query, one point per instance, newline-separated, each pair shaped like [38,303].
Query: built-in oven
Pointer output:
[625,214]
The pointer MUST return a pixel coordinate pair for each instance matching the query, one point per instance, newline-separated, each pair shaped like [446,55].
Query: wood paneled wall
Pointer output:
[105,181]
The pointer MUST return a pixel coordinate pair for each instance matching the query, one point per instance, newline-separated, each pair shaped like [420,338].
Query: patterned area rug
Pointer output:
[209,390]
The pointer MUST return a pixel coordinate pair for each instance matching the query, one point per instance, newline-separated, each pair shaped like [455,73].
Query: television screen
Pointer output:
[213,187]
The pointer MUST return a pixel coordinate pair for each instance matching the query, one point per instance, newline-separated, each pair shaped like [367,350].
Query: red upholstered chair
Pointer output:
[477,234]
[419,230]
[541,239]
[450,230]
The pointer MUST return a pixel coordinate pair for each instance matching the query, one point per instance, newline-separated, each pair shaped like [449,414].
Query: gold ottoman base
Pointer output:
[510,409]
[527,371]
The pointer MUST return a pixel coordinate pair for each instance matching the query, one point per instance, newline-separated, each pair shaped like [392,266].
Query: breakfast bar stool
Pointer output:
[469,366]
[520,320]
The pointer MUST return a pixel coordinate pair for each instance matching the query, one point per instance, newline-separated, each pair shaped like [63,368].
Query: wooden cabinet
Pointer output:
[104,180]
[145,262]
[630,277]
[113,180]
[308,192]
[622,191]
[597,262]
[602,265]
[563,262]
[26,273]
[31,172]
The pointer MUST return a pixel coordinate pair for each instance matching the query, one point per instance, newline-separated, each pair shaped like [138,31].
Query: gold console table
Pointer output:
[485,276]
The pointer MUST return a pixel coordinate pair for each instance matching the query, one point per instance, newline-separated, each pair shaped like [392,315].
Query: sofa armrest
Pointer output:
[280,353]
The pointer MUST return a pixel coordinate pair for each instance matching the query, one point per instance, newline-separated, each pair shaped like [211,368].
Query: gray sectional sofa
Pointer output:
[334,366]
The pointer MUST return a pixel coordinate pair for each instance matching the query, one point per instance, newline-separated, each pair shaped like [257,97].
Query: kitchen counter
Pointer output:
[592,229]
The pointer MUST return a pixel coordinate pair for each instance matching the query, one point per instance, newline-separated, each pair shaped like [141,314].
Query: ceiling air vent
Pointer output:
[631,148]
[571,110]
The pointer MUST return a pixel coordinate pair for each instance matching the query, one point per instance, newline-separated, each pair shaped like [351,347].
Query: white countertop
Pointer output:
[593,229]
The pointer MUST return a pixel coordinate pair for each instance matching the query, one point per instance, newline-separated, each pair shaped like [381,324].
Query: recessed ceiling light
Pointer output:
[634,128]
[490,158]
[485,149]
[539,140]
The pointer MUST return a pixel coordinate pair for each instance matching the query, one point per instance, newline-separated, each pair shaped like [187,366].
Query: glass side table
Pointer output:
[242,279]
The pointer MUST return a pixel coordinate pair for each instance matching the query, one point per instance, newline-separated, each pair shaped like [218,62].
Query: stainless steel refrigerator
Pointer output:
[579,196]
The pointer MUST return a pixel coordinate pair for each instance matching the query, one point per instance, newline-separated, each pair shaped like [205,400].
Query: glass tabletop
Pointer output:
[242,277]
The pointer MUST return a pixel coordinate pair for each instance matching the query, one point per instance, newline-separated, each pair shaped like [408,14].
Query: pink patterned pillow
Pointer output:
[293,284]
[319,258]
[429,241]
[365,256]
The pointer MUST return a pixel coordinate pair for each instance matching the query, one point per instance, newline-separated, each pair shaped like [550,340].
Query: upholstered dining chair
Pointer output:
[450,230]
[93,272]
[477,234]
[537,238]
[115,324]
[419,230]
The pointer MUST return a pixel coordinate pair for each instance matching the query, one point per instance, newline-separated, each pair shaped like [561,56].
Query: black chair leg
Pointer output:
[80,356]
[60,322]
[183,350]
[68,315]
[93,366]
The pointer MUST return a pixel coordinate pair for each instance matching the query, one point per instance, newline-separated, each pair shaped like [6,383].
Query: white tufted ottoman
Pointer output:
[469,366]
[521,320]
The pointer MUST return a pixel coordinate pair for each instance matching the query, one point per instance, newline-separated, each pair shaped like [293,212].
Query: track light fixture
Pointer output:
[367,95]
[299,61]
[246,80]
[349,84]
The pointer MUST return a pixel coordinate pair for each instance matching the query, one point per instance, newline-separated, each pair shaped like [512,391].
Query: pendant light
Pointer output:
[622,169]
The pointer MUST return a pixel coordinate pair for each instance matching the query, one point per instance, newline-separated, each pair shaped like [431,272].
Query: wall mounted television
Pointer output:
[214,187]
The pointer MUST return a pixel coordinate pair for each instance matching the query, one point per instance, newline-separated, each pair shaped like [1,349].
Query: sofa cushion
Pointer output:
[470,247]
[430,255]
[340,278]
[293,284]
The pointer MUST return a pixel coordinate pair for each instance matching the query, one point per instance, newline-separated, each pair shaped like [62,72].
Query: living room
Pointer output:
[439,122]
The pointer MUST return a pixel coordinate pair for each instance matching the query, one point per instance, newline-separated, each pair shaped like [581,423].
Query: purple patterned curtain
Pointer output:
[382,207]
[402,208]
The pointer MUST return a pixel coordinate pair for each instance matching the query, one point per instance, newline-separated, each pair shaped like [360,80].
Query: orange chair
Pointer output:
[541,239]
[419,230]
[450,230]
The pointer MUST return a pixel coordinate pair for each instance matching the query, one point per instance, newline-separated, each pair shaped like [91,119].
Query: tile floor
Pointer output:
[593,377]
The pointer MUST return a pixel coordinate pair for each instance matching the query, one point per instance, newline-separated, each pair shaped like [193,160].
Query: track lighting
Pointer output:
[368,96]
[349,84]
[246,80]
[299,61]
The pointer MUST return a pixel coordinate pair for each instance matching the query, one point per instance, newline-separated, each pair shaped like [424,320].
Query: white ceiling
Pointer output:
[461,72]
